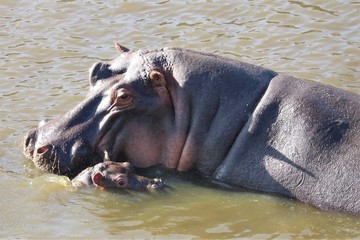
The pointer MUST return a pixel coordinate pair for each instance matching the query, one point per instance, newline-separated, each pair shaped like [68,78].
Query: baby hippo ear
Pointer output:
[157,78]
[97,179]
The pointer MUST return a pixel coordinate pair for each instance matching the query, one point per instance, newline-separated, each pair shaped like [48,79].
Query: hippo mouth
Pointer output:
[104,146]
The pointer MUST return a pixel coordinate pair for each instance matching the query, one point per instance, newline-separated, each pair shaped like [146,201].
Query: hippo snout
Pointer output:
[65,159]
[44,156]
[29,146]
[29,143]
[156,184]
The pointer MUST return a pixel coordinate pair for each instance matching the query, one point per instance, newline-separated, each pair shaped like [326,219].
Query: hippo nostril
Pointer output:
[44,149]
[27,140]
[43,122]
[29,137]
[29,143]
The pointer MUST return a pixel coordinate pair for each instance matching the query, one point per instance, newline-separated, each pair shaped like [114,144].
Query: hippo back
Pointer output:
[301,141]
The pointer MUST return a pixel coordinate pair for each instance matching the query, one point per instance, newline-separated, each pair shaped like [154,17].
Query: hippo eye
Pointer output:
[121,183]
[122,98]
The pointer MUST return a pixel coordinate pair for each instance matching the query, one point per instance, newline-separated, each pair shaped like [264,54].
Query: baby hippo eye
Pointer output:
[122,181]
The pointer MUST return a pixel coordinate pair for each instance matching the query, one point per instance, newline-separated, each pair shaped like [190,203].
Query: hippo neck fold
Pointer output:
[205,89]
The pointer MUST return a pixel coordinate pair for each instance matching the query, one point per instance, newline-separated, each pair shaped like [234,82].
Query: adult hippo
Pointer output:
[236,123]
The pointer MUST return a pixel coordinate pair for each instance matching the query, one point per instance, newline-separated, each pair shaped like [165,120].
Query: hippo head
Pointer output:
[176,107]
[121,118]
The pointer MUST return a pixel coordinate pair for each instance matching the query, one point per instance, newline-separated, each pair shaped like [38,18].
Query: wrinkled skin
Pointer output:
[116,175]
[236,123]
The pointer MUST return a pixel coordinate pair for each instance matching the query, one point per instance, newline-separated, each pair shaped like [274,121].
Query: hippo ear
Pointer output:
[157,78]
[121,49]
[99,71]
[97,179]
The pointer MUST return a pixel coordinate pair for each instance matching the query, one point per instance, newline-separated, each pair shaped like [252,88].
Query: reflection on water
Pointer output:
[46,50]
[186,211]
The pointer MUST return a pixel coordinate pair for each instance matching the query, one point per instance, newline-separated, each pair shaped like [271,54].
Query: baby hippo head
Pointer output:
[116,175]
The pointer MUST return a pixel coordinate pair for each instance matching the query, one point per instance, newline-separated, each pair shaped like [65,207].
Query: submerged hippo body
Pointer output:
[236,123]
[115,175]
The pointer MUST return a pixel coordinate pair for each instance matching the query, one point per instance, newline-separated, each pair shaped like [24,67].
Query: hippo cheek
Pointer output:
[82,156]
[141,147]
[131,139]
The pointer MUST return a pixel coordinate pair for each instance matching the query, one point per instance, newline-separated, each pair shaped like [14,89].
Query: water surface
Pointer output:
[46,50]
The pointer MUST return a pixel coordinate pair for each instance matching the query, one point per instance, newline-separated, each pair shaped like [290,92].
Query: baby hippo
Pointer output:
[116,175]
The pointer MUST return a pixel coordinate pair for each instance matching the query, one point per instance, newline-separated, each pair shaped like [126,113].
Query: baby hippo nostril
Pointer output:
[44,149]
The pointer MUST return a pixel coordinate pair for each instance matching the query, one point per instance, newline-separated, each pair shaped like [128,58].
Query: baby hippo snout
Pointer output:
[156,184]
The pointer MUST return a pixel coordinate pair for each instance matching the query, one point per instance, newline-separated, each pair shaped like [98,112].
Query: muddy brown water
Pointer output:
[46,50]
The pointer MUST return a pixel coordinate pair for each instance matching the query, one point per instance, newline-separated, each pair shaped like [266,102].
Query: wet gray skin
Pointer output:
[116,175]
[234,122]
